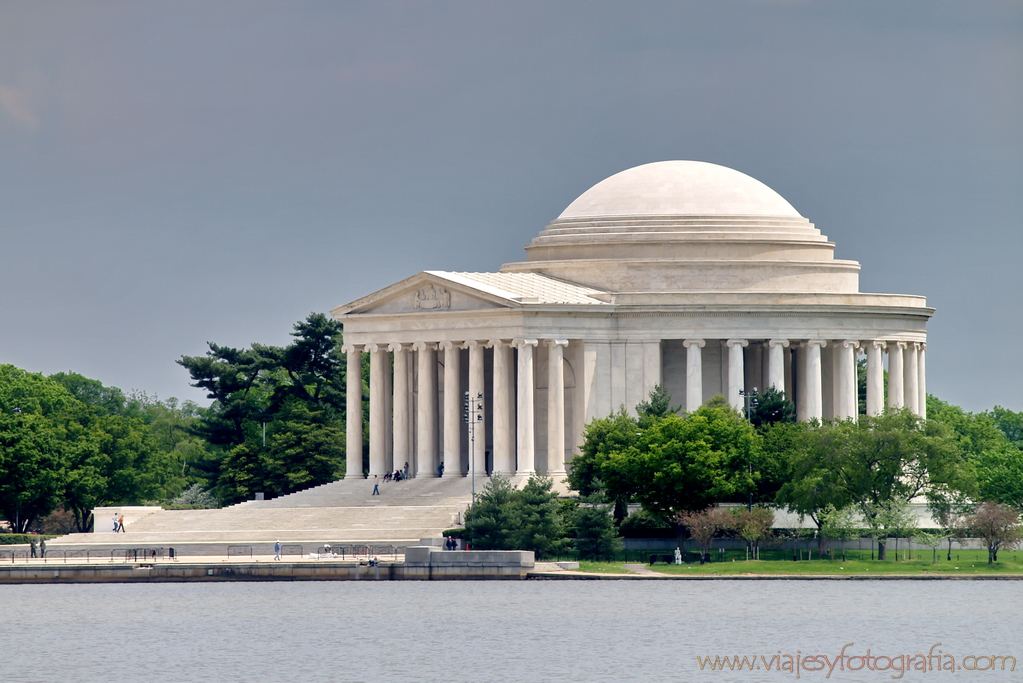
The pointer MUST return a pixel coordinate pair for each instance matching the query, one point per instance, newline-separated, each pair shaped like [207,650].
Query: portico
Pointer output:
[686,274]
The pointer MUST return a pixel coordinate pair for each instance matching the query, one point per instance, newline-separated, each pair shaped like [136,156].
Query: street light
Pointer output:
[472,415]
[751,400]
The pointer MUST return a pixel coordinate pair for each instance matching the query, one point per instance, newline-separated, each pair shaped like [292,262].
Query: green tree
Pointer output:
[597,467]
[595,535]
[772,407]
[32,445]
[490,523]
[538,525]
[277,420]
[682,464]
[657,404]
[997,526]
[874,462]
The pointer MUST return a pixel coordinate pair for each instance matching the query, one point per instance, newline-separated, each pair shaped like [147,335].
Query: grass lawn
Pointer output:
[603,567]
[964,562]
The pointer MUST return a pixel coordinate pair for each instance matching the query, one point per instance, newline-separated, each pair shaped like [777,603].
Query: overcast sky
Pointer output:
[173,173]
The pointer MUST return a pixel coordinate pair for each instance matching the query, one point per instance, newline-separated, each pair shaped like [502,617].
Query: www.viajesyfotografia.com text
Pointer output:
[936,660]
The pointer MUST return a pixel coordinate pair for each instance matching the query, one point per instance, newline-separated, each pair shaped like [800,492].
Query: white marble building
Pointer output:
[680,272]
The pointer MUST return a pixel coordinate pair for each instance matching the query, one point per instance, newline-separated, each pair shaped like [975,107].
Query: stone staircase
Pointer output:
[340,513]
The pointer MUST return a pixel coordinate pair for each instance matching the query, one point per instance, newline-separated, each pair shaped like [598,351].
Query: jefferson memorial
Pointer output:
[681,273]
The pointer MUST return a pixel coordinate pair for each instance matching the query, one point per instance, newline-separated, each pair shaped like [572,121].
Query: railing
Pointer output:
[292,549]
[239,551]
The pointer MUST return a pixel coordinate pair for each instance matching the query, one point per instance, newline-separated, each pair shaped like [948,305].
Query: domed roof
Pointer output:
[679,188]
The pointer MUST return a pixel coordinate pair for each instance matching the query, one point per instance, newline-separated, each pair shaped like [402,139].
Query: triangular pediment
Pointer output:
[426,292]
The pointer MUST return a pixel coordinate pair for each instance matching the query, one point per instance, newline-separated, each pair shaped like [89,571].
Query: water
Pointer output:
[493,631]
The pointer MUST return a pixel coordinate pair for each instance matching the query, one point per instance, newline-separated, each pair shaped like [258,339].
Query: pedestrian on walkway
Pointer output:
[42,548]
[120,524]
[376,486]
[404,474]
[115,523]
[277,549]
[35,548]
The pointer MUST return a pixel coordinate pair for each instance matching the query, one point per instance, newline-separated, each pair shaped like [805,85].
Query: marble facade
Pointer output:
[682,273]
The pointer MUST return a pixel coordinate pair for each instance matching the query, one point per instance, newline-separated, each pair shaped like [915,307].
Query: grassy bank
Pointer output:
[964,562]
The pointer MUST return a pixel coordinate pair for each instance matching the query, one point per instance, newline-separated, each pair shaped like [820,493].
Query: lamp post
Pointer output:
[751,402]
[473,415]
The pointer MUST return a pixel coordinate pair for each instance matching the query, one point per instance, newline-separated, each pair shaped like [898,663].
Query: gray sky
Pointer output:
[173,173]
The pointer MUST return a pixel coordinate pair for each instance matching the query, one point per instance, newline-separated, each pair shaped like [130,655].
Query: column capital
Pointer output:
[694,342]
[495,343]
[854,343]
[778,342]
[922,346]
[556,342]
[373,348]
[809,343]
[898,344]
[878,344]
[523,343]
[351,348]
[423,346]
[737,342]
[470,344]
[445,345]
[395,346]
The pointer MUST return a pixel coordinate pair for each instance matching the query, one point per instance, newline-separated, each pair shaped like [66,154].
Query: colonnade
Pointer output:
[392,439]
[906,374]
[409,422]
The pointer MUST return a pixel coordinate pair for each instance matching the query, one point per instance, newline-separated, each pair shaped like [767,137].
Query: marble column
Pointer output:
[896,395]
[353,412]
[875,377]
[911,385]
[847,405]
[736,373]
[401,436]
[776,363]
[504,408]
[478,462]
[426,413]
[694,373]
[921,367]
[556,408]
[799,368]
[379,420]
[814,386]
[525,431]
[452,409]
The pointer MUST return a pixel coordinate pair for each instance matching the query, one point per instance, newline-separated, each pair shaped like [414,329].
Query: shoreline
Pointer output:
[196,570]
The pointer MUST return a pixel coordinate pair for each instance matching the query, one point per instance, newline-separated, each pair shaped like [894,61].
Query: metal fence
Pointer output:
[239,551]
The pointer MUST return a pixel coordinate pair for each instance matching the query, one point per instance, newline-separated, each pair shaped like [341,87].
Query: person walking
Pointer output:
[35,548]
[277,549]
[376,486]
[120,524]
[115,523]
[42,548]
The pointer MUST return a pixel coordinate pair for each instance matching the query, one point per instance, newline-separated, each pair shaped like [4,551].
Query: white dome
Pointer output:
[679,188]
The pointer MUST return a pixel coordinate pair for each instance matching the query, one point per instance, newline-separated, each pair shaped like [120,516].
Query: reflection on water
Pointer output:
[491,631]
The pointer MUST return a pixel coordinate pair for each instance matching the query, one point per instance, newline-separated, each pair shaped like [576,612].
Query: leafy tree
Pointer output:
[997,525]
[950,508]
[685,464]
[104,400]
[32,445]
[838,525]
[597,468]
[874,463]
[1009,423]
[706,525]
[931,539]
[754,526]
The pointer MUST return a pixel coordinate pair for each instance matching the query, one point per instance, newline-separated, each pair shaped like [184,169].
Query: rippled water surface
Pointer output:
[494,631]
